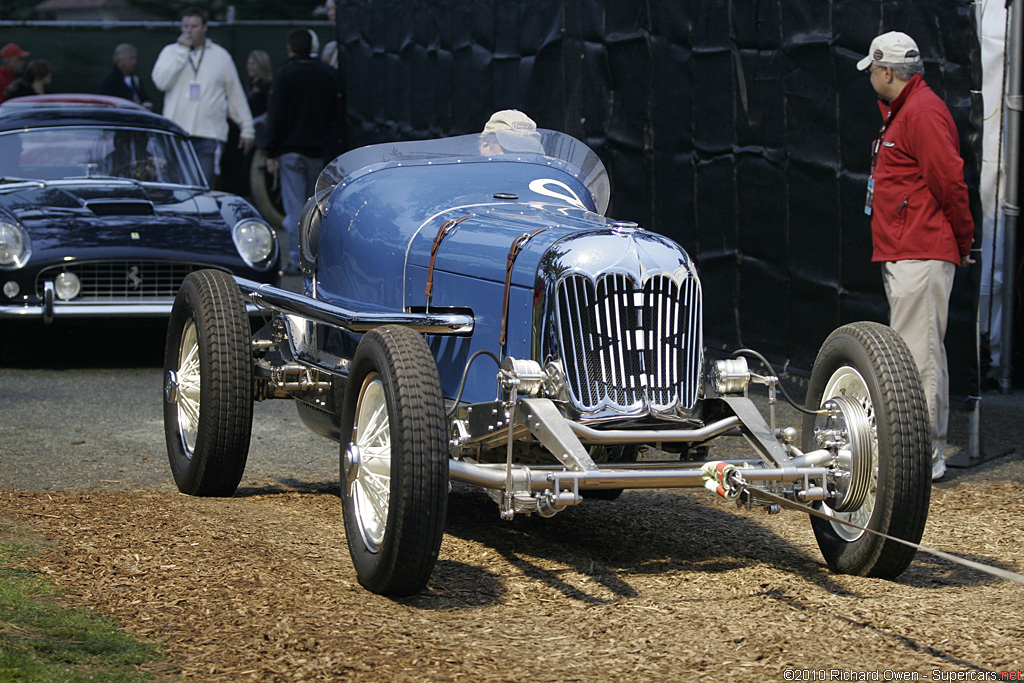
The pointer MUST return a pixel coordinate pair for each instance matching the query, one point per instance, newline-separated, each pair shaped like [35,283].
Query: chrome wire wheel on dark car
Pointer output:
[208,385]
[876,420]
[394,461]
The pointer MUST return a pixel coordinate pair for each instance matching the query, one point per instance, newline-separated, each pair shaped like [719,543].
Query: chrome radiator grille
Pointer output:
[626,346]
[121,280]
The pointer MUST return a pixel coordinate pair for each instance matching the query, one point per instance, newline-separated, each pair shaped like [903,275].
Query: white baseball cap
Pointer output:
[515,131]
[891,48]
[510,120]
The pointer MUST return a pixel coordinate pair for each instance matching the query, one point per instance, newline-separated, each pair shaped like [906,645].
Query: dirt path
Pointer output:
[654,586]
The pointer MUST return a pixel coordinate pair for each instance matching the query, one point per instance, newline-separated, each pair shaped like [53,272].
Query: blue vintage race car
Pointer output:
[104,211]
[470,315]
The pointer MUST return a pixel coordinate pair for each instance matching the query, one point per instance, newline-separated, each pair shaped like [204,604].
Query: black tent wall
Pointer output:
[739,128]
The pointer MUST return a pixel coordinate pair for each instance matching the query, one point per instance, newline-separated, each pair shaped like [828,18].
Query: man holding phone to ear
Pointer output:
[202,90]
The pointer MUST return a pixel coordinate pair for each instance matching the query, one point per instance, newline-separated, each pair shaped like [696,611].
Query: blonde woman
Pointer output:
[260,74]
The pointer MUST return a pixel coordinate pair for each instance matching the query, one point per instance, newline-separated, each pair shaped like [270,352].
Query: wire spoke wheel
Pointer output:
[189,388]
[394,461]
[208,385]
[371,488]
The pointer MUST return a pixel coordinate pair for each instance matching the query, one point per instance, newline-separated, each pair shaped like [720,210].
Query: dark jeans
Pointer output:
[208,151]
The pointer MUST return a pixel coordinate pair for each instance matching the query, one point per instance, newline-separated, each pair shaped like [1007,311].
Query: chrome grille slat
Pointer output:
[628,346]
[123,280]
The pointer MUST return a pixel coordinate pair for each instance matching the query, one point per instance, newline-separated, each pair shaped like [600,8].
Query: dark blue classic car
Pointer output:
[470,315]
[104,211]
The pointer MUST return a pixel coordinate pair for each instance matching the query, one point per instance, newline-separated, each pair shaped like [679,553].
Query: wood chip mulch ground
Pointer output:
[654,586]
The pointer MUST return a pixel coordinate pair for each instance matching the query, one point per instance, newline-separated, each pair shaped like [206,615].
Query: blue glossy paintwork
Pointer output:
[384,206]
[373,221]
[379,228]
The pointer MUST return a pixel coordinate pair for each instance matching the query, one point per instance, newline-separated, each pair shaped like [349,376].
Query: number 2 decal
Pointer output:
[542,186]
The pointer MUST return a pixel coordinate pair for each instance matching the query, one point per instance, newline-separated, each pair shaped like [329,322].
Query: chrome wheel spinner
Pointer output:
[845,428]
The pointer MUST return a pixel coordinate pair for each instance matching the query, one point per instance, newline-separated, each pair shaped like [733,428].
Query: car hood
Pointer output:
[117,216]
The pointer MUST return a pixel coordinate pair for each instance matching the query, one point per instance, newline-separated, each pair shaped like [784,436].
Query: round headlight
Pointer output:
[67,286]
[15,246]
[255,242]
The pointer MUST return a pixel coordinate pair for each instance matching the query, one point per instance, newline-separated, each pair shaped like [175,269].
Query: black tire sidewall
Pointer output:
[369,359]
[380,571]
[222,440]
[840,350]
[186,305]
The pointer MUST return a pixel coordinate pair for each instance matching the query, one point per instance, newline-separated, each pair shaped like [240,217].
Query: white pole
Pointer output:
[1010,207]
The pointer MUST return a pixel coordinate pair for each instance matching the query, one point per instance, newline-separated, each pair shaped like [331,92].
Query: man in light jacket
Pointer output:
[202,90]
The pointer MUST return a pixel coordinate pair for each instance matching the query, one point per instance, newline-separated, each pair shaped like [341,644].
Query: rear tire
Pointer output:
[871,364]
[394,462]
[266,194]
[208,385]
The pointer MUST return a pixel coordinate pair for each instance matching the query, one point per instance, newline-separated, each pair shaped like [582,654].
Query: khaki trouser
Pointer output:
[918,293]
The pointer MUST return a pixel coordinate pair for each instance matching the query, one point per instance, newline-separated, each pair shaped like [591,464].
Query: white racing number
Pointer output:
[543,186]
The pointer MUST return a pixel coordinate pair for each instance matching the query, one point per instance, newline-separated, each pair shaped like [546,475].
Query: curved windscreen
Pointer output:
[68,152]
[580,159]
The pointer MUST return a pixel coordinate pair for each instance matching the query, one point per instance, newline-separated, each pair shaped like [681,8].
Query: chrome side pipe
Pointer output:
[274,298]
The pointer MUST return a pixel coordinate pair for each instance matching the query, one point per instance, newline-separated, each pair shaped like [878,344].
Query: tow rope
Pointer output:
[726,480]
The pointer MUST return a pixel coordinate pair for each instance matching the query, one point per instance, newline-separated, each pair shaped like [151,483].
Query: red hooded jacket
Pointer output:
[920,208]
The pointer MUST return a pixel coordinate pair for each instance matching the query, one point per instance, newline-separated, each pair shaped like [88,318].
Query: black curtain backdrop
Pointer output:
[739,128]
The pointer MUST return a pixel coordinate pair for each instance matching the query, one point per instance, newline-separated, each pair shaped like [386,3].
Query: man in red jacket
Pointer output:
[12,65]
[921,224]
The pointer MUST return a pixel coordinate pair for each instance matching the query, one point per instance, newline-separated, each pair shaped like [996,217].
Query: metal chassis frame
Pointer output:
[562,437]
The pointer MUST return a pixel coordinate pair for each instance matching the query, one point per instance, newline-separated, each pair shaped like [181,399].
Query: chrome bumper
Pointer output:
[51,311]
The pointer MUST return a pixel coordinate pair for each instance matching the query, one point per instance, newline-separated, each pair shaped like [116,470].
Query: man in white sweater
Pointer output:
[202,90]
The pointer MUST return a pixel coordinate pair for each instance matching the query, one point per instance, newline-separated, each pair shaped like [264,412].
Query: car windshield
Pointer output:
[85,152]
[541,146]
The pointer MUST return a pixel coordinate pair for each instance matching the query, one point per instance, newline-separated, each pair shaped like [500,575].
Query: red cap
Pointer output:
[13,50]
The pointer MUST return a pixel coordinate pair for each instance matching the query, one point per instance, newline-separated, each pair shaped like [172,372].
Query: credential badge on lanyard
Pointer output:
[195,89]
[875,148]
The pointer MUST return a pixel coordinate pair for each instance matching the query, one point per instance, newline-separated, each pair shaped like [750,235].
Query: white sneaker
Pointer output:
[938,468]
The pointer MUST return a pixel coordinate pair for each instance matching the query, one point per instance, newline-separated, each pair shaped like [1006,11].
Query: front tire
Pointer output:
[208,385]
[394,462]
[867,368]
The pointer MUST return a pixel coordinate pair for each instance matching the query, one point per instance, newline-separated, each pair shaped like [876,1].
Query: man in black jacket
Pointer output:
[121,81]
[302,120]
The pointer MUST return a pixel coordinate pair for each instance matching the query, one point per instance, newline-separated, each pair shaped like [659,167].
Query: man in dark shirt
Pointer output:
[121,80]
[302,120]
